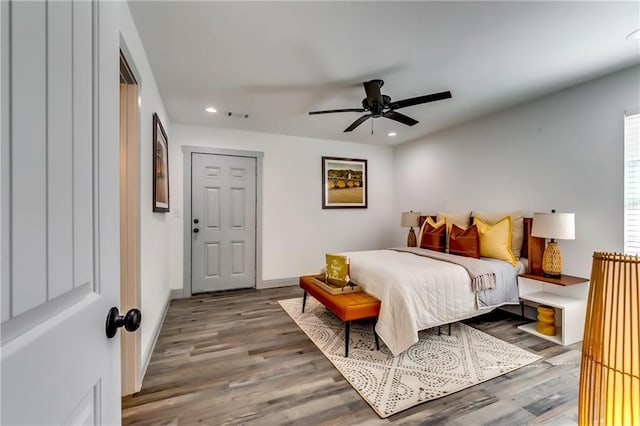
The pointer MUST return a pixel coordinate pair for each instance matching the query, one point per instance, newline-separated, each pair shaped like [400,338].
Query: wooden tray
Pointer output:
[319,281]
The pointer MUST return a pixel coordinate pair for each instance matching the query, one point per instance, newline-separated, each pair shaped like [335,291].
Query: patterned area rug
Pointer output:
[432,368]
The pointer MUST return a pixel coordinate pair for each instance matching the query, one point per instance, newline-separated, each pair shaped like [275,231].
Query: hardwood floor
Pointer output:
[238,358]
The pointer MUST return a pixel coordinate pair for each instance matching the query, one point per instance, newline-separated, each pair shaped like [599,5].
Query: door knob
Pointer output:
[196,230]
[196,221]
[130,321]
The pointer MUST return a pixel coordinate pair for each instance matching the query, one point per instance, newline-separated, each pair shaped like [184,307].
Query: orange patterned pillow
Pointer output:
[464,242]
[433,237]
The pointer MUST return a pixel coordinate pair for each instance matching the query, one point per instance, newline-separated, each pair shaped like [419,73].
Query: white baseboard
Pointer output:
[156,332]
[176,293]
[279,282]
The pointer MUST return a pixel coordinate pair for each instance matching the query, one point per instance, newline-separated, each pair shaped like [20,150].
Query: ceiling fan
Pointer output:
[379,105]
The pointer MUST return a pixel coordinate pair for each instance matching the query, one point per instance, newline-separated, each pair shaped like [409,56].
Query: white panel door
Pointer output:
[60,240]
[223,222]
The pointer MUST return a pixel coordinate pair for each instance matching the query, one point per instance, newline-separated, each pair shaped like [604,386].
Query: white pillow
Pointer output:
[462,220]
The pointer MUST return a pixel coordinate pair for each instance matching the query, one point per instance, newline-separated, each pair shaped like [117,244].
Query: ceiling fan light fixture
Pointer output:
[211,109]
[634,35]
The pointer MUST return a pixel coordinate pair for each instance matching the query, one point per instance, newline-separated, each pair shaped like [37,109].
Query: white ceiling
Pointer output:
[275,61]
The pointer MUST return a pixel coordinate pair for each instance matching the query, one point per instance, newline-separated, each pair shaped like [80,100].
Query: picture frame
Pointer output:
[344,183]
[160,167]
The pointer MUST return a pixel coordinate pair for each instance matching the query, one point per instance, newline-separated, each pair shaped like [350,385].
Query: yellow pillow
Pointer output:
[517,227]
[430,222]
[495,241]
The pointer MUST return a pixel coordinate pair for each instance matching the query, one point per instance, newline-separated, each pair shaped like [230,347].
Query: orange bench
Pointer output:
[348,307]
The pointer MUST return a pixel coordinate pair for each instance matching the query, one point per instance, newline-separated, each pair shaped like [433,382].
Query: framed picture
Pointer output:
[160,167]
[344,183]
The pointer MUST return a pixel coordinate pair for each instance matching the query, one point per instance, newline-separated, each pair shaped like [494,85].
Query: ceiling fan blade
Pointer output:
[400,118]
[358,122]
[330,111]
[372,88]
[420,100]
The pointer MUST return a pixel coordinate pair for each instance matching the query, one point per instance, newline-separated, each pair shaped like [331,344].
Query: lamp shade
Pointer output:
[610,368]
[560,226]
[410,219]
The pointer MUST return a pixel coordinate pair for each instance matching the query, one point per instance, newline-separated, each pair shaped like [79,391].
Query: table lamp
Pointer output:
[555,226]
[409,220]
[610,368]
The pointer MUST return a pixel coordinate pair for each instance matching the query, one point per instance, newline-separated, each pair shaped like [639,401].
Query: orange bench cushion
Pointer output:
[348,307]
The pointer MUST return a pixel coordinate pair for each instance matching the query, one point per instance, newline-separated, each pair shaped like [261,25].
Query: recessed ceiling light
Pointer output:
[211,109]
[391,134]
[634,35]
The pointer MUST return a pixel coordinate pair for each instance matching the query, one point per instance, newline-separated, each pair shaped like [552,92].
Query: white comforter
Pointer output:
[415,293]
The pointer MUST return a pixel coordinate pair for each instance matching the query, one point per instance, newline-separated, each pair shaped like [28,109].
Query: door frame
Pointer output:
[187,151]
[130,296]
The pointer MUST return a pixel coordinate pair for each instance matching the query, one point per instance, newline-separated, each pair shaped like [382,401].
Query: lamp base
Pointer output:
[552,260]
[411,238]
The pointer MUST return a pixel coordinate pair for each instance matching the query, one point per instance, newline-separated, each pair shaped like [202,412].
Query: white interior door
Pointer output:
[60,239]
[223,222]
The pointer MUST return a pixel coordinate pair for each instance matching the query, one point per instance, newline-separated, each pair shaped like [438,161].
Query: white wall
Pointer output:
[297,231]
[154,227]
[563,152]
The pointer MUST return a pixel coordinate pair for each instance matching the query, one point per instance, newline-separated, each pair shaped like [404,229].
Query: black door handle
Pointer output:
[130,321]
[196,221]
[196,230]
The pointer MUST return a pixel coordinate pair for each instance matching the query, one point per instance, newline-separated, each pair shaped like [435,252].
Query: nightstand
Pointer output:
[567,295]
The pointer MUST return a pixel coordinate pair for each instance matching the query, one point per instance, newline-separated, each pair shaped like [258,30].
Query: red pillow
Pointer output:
[433,238]
[464,242]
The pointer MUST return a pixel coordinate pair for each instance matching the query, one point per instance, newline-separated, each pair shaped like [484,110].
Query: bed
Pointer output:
[419,292]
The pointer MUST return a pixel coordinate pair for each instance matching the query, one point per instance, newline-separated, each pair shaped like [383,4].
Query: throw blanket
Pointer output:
[482,274]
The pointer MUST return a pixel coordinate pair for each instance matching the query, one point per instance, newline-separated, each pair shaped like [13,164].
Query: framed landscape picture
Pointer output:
[344,183]
[160,167]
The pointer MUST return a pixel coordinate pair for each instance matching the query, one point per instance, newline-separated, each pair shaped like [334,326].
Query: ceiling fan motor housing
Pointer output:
[376,108]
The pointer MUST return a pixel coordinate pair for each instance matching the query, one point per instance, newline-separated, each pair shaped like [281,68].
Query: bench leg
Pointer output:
[375,335]
[346,338]
[304,300]
[440,333]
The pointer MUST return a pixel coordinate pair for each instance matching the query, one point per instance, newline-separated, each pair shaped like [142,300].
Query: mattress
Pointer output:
[417,292]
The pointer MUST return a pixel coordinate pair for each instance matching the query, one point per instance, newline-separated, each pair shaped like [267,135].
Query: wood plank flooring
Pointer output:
[238,358]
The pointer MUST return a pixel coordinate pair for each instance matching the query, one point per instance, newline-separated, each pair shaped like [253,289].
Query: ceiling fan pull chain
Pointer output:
[372,127]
